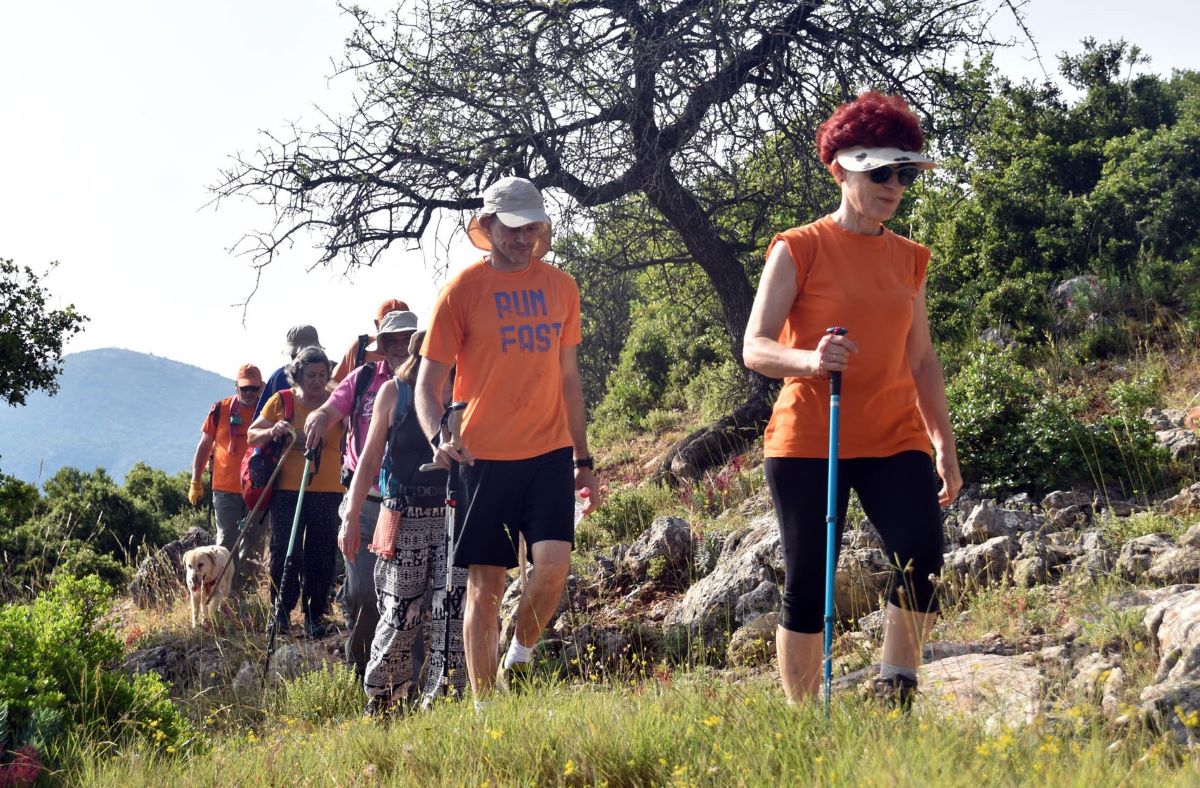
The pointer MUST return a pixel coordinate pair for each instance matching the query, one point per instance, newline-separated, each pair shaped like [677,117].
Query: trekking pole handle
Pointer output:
[835,378]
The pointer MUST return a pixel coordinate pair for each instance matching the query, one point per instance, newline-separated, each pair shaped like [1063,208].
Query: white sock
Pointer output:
[517,653]
[889,671]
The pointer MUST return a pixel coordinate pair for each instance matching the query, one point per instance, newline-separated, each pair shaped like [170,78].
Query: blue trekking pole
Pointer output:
[835,407]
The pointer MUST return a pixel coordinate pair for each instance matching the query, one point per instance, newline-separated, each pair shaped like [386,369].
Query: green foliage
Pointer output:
[332,693]
[56,677]
[1016,433]
[31,335]
[1108,185]
[86,524]
[628,510]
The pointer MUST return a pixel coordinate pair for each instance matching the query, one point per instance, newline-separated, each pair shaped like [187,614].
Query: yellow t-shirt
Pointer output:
[505,332]
[327,478]
[866,284]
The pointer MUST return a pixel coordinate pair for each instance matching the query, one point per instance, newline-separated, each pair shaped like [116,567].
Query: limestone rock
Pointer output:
[159,577]
[1138,554]
[753,644]
[1182,443]
[1188,500]
[1176,565]
[762,600]
[668,539]
[980,565]
[1063,499]
[1004,691]
[988,521]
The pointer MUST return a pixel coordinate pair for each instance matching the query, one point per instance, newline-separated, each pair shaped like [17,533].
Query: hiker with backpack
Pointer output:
[510,325]
[352,401]
[284,413]
[360,352]
[895,440]
[411,541]
[223,444]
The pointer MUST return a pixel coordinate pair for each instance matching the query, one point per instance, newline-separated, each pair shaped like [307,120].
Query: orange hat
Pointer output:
[248,375]
[390,305]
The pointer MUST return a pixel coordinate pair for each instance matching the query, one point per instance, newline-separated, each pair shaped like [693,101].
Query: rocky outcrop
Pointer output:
[159,577]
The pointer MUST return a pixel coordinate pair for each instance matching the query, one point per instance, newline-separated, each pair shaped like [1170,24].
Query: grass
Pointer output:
[698,730]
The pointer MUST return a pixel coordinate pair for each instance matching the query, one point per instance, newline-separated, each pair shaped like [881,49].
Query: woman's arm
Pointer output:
[931,401]
[761,349]
[367,470]
[265,429]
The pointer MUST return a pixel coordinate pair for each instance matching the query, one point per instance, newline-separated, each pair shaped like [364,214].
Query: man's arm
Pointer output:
[577,422]
[203,452]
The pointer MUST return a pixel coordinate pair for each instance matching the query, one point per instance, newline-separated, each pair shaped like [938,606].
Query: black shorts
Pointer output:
[898,494]
[499,499]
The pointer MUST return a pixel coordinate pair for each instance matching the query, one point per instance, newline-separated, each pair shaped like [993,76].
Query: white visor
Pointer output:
[861,159]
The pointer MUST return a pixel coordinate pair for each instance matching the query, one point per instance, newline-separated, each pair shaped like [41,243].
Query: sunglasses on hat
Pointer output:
[906,175]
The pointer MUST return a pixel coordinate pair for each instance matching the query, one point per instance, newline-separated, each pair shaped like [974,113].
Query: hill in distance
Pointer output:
[114,408]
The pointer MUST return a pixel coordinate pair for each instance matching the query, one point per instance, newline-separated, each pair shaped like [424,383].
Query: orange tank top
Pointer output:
[868,285]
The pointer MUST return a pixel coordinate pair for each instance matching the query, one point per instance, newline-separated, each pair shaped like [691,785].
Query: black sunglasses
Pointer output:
[906,175]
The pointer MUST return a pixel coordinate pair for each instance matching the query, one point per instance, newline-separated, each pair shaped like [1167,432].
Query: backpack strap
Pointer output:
[366,374]
[289,404]
[361,352]
[214,415]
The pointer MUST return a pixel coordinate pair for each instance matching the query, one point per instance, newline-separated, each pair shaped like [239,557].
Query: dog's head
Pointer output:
[203,564]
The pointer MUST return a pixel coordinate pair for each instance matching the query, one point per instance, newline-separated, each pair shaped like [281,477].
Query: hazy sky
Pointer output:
[116,116]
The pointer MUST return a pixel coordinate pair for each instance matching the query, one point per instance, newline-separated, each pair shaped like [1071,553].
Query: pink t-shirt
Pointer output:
[342,398]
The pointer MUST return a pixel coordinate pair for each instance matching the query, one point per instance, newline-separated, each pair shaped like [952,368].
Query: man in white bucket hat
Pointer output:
[509,323]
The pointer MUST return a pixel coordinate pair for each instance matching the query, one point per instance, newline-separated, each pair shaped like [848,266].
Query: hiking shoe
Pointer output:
[896,692]
[517,677]
[281,625]
[380,708]
[315,628]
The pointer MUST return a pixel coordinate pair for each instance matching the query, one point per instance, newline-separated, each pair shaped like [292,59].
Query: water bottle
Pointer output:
[581,499]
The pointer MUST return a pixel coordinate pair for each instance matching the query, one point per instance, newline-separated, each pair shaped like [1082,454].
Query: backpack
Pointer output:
[401,457]
[259,463]
[366,374]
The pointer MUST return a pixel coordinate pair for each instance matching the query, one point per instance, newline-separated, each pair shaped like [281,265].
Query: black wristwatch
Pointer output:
[584,462]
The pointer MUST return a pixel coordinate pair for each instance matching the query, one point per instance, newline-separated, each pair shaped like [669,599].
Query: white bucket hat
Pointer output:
[515,202]
[398,322]
[861,158]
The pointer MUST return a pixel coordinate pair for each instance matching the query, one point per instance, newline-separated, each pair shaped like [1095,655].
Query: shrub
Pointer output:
[57,682]
[332,693]
[627,511]
[1016,434]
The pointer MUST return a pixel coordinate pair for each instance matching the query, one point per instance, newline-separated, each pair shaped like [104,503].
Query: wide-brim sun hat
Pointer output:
[397,322]
[861,158]
[515,202]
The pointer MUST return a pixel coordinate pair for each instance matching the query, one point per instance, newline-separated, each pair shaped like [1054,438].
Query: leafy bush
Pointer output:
[332,693]
[1015,434]
[627,511]
[57,681]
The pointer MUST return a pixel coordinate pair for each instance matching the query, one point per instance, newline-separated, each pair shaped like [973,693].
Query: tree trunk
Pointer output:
[710,446]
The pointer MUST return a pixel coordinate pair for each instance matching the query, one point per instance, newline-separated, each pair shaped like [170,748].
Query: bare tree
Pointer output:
[694,117]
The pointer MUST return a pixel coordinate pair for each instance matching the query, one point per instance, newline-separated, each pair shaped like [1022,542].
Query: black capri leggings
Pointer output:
[898,494]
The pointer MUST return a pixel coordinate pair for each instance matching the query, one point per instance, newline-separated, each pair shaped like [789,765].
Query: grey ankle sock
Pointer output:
[889,671]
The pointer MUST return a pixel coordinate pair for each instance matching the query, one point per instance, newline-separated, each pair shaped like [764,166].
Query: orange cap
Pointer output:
[248,375]
[390,305]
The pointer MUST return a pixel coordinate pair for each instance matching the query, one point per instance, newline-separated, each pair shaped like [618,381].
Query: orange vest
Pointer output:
[867,284]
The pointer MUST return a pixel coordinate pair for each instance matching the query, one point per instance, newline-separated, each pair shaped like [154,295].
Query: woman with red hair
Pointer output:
[847,269]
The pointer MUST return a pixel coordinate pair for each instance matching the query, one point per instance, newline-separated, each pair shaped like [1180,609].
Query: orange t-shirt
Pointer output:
[867,284]
[505,332]
[229,442]
[328,476]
